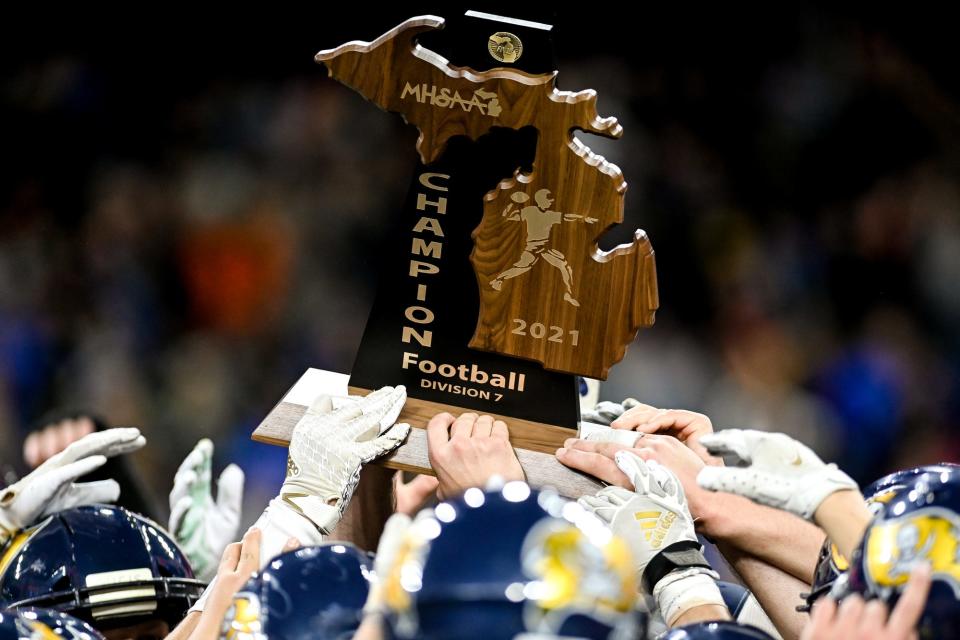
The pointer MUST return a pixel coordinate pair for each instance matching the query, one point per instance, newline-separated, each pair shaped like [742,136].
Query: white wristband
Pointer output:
[278,523]
[680,591]
[202,600]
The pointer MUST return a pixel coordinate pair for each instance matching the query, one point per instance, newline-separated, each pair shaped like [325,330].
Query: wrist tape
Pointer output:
[685,589]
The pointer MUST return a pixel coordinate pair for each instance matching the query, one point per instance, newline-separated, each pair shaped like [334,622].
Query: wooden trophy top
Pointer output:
[547,292]
[536,287]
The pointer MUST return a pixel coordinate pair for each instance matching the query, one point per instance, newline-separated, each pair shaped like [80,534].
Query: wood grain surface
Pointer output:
[540,466]
[547,291]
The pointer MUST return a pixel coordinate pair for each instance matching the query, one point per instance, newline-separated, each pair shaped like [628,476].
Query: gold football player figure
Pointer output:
[539,221]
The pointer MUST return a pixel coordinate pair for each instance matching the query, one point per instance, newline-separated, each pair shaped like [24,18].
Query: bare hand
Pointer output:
[468,451]
[411,496]
[685,426]
[54,438]
[856,620]
[596,458]
[239,561]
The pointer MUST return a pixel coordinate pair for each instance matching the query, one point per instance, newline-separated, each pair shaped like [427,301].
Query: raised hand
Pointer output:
[51,487]
[774,470]
[202,526]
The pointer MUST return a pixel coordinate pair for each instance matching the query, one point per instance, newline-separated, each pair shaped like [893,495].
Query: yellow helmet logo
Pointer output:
[930,535]
[839,560]
[876,502]
[403,578]
[242,621]
[566,571]
[40,631]
[885,496]
[572,573]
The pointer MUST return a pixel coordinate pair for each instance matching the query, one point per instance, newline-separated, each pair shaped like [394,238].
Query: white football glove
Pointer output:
[606,411]
[329,447]
[651,519]
[202,526]
[775,470]
[327,450]
[51,488]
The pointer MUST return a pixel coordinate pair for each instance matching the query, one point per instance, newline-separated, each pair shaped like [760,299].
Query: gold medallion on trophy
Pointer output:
[505,47]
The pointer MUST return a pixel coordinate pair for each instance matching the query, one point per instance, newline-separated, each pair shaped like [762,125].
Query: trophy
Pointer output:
[494,294]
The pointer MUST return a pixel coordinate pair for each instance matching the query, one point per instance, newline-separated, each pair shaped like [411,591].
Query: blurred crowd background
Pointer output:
[190,210]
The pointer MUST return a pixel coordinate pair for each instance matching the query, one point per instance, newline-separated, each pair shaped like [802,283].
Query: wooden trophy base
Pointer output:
[535,442]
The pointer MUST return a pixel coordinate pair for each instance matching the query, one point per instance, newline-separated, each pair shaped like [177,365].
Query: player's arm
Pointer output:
[392,541]
[369,629]
[511,212]
[844,514]
[777,591]
[778,538]
[240,560]
[775,537]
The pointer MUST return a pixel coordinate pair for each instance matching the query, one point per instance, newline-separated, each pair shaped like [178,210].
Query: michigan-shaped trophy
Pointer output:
[494,294]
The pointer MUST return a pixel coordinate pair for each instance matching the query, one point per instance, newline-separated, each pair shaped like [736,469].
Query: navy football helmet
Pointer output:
[725,630]
[504,563]
[29,623]
[919,523]
[312,592]
[102,564]
[831,563]
[882,490]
